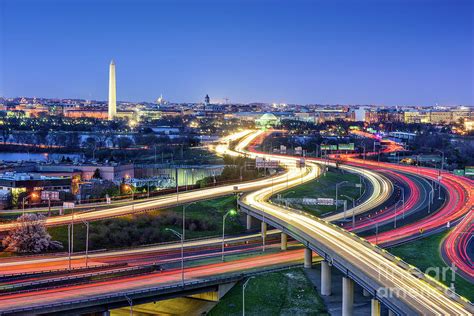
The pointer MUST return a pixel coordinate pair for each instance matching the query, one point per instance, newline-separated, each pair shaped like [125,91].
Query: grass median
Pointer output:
[325,187]
[279,293]
[203,219]
[425,255]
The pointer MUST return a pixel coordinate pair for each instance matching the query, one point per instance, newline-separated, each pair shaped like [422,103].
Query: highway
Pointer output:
[381,191]
[456,245]
[421,296]
[416,199]
[69,294]
[458,208]
[134,256]
[381,186]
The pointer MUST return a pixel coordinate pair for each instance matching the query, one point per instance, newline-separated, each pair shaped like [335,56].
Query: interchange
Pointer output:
[457,209]
[272,186]
[424,298]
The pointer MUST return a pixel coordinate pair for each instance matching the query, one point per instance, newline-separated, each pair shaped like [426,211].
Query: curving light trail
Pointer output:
[420,295]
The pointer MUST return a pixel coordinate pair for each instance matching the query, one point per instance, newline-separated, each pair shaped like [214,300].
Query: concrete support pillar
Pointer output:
[264,230]
[325,278]
[365,293]
[347,296]
[249,222]
[308,258]
[374,307]
[284,241]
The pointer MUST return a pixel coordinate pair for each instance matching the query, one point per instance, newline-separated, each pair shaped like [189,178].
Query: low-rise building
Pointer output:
[392,115]
[411,117]
[109,171]
[18,187]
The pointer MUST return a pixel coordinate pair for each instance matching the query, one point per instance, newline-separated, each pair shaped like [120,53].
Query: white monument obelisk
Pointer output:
[112,92]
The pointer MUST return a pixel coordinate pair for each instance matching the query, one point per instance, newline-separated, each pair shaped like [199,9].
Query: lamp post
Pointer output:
[284,194]
[87,241]
[130,302]
[49,204]
[180,236]
[229,212]
[272,186]
[326,152]
[376,229]
[395,211]
[244,286]
[70,235]
[442,158]
[32,195]
[402,189]
[430,196]
[440,172]
[337,187]
[184,217]
[353,209]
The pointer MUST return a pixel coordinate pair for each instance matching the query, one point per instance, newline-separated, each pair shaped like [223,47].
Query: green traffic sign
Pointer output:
[458,172]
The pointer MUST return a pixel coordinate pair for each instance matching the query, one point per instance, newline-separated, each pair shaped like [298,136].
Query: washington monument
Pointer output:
[112,92]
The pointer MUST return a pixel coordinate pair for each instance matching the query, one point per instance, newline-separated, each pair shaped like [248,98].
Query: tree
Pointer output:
[124,142]
[30,236]
[96,174]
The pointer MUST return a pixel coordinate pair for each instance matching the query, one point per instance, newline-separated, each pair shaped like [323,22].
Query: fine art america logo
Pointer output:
[445,275]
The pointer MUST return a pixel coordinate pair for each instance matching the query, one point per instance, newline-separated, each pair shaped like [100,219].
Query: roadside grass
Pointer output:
[325,187]
[278,293]
[203,219]
[425,255]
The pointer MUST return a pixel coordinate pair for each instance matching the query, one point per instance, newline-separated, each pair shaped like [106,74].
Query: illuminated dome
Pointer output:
[267,120]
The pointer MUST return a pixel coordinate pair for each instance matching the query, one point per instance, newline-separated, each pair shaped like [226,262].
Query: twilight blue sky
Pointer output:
[390,52]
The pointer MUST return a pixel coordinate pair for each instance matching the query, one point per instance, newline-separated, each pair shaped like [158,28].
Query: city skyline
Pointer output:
[303,53]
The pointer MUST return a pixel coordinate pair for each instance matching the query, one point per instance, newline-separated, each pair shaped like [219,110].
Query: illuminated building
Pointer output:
[469,125]
[112,92]
[109,171]
[86,113]
[267,120]
[12,184]
[383,116]
[411,117]
[441,117]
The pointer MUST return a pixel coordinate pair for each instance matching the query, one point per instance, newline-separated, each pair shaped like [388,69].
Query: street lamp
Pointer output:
[87,240]
[402,189]
[325,154]
[184,217]
[430,200]
[129,187]
[442,158]
[353,209]
[130,302]
[230,212]
[337,187]
[32,195]
[376,229]
[440,172]
[70,239]
[395,211]
[180,236]
[284,194]
[244,286]
[352,199]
